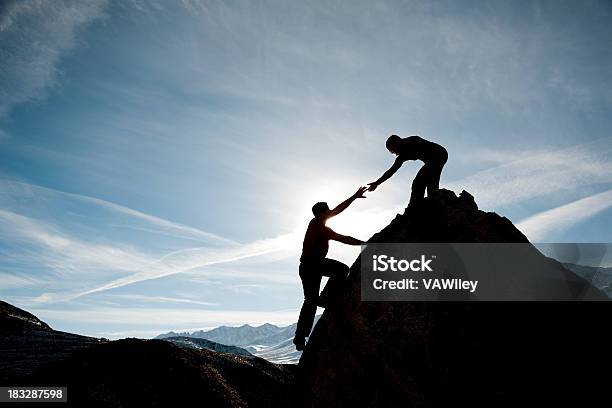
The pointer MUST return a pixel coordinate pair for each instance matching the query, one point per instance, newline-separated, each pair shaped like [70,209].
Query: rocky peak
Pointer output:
[460,353]
[449,218]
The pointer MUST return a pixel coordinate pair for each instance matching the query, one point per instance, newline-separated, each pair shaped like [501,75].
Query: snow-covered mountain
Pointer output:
[267,341]
[281,353]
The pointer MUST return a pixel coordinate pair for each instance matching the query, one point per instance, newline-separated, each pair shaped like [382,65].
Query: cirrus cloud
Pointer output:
[34,35]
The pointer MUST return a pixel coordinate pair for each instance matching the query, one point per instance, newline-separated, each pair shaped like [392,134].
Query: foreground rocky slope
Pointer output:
[27,344]
[157,373]
[455,353]
[135,373]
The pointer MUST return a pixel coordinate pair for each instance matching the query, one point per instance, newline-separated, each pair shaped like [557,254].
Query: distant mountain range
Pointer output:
[267,341]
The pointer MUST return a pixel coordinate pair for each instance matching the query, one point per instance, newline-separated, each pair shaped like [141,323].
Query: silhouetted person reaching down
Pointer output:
[416,148]
[314,265]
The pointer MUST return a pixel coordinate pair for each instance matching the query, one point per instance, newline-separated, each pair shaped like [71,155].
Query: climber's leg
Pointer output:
[337,272]
[418,184]
[434,172]
[311,281]
[433,179]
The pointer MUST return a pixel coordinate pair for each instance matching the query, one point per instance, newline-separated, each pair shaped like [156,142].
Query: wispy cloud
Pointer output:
[221,276]
[190,259]
[16,190]
[185,319]
[246,288]
[82,262]
[64,253]
[12,280]
[161,299]
[539,226]
[34,35]
[539,174]
[70,256]
[166,226]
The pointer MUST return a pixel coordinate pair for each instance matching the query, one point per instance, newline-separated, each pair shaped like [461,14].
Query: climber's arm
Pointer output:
[387,174]
[343,205]
[345,239]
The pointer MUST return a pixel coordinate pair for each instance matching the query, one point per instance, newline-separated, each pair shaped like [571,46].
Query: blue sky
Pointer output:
[158,159]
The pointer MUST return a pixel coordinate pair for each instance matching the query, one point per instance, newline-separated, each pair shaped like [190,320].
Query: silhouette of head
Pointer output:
[393,143]
[320,209]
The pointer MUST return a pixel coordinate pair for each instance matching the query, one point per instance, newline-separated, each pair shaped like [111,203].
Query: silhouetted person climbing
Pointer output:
[416,148]
[314,265]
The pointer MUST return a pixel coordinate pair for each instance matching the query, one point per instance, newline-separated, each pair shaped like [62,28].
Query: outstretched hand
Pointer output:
[359,193]
[373,186]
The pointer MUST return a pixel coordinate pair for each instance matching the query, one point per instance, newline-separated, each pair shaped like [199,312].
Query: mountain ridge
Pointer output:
[196,343]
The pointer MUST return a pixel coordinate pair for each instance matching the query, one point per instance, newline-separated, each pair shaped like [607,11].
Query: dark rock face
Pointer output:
[442,353]
[157,373]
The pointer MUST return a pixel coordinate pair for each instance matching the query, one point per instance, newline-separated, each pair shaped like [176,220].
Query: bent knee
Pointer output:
[343,269]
